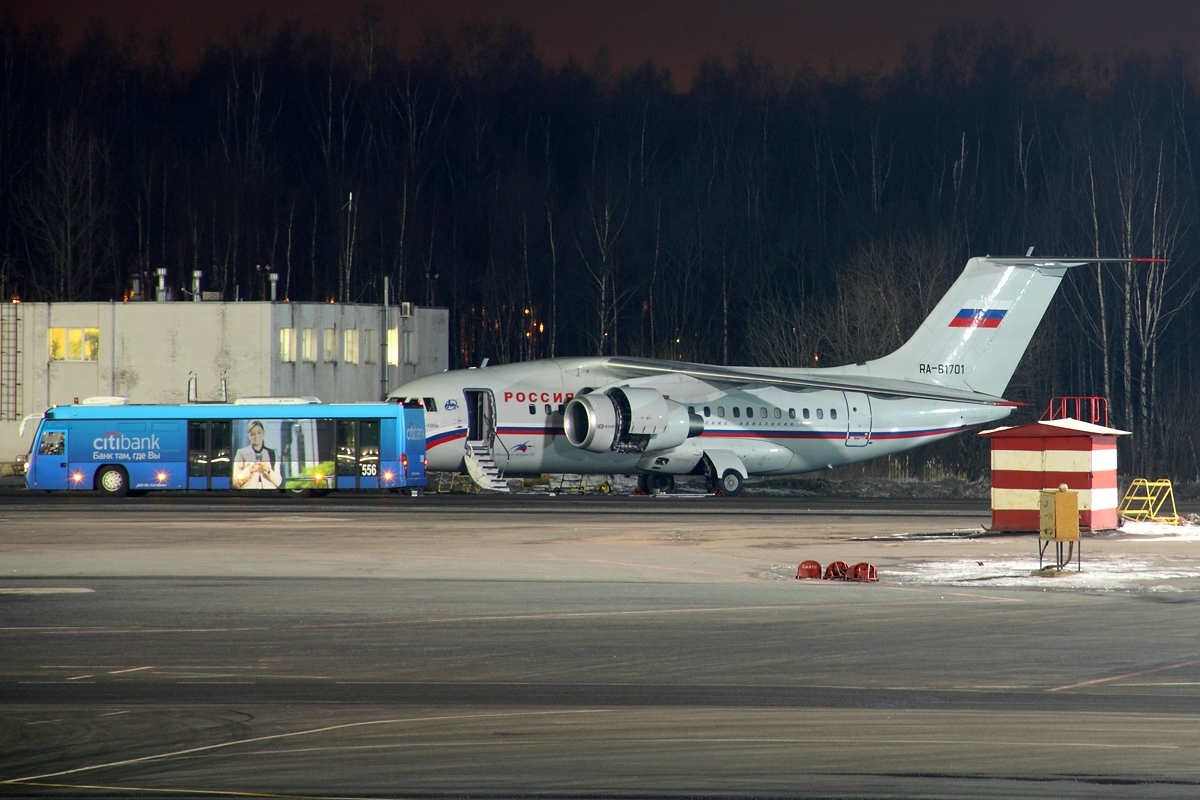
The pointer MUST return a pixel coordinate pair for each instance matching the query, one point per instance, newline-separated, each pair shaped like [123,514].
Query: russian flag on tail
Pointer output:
[978,318]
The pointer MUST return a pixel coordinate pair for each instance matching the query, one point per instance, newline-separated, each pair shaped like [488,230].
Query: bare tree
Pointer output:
[64,209]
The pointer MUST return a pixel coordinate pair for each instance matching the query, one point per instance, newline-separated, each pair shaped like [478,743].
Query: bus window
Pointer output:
[197,449]
[326,430]
[220,452]
[52,444]
[347,448]
[368,448]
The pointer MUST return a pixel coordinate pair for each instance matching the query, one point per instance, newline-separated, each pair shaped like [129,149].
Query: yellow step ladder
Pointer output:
[1146,501]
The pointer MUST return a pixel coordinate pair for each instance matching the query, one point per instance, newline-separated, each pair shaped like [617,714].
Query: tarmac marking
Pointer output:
[41,590]
[1123,675]
[291,734]
[131,669]
[486,617]
[941,593]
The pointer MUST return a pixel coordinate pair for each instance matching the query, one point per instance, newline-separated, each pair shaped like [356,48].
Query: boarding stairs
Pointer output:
[481,466]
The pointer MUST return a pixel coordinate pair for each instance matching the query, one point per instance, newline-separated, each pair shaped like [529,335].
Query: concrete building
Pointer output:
[152,352]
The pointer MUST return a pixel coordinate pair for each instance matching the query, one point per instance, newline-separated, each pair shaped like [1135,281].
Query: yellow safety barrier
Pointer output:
[579,484]
[1146,501]
[454,482]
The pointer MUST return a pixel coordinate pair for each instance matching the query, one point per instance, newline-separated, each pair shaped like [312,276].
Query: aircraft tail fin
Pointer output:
[976,335]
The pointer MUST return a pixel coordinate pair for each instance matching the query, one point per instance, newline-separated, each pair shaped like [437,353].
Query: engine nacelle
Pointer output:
[628,420]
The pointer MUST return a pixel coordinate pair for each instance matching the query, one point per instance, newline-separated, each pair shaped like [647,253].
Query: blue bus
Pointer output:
[299,446]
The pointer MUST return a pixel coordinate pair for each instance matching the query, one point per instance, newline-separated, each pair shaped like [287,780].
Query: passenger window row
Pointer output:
[762,412]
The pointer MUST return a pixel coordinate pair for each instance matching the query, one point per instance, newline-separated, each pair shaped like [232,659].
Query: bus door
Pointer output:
[358,454]
[210,454]
[50,464]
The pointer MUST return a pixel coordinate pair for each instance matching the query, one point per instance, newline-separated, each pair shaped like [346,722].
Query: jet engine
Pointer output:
[628,420]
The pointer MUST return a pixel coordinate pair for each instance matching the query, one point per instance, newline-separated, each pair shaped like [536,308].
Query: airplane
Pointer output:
[615,415]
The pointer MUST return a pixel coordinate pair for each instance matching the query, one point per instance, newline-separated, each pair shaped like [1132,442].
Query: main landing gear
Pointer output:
[656,483]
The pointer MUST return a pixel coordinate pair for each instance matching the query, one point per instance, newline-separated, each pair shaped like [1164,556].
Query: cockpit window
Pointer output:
[430,404]
[412,402]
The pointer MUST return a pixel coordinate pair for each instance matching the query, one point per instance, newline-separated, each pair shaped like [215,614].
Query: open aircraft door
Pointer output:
[481,416]
[858,419]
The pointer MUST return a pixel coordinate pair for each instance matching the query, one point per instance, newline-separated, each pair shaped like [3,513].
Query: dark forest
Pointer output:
[758,218]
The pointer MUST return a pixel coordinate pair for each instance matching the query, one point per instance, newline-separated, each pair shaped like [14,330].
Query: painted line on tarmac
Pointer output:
[292,734]
[1095,681]
[476,618]
[40,590]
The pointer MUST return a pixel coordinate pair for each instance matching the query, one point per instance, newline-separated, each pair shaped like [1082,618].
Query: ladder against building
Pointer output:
[1149,501]
[10,362]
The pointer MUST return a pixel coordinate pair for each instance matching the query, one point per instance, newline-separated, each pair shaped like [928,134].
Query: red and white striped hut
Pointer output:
[1045,455]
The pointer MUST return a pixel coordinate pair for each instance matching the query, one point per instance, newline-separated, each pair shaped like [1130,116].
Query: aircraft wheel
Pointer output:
[731,483]
[112,481]
[664,483]
[643,483]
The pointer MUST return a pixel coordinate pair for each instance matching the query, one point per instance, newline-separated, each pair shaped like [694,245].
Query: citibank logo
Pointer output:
[119,441]
[413,433]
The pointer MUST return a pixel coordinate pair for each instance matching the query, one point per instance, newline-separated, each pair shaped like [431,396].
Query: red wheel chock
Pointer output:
[808,569]
[863,571]
[837,571]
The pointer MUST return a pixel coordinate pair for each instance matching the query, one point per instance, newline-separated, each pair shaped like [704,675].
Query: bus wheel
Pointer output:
[731,483]
[112,482]
[298,493]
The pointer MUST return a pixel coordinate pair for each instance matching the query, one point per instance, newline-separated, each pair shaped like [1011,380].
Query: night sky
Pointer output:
[854,35]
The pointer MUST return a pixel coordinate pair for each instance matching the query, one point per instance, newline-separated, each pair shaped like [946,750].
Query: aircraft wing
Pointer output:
[799,379]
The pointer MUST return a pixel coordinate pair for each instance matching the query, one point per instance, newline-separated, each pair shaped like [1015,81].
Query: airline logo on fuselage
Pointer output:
[978,318]
[538,397]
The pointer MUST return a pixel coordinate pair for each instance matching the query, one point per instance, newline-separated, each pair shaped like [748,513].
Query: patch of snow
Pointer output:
[1097,573]
[1160,531]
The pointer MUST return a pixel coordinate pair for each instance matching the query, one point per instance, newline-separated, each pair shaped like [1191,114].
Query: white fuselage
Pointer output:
[773,431]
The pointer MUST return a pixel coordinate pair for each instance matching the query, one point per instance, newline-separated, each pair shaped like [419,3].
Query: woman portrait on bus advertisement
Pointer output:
[256,466]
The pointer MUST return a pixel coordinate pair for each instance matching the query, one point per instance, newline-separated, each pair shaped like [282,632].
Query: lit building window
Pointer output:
[287,344]
[350,345]
[369,356]
[330,348]
[393,347]
[74,344]
[309,346]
